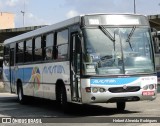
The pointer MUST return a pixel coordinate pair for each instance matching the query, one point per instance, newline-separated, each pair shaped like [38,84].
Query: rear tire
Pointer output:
[121,106]
[21,97]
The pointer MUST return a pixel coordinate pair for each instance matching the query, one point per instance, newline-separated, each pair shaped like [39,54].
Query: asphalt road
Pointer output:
[97,114]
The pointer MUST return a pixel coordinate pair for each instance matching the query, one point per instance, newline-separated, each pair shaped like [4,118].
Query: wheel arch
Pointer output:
[58,85]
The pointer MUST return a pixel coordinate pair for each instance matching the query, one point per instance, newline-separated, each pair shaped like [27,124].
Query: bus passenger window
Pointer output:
[28,51]
[62,44]
[20,52]
[49,46]
[38,49]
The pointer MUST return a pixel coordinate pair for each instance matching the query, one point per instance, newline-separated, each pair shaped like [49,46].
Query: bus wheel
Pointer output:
[121,105]
[21,97]
[63,99]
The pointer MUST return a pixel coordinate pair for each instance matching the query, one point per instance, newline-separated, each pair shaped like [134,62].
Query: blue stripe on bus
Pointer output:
[27,74]
[23,73]
[113,81]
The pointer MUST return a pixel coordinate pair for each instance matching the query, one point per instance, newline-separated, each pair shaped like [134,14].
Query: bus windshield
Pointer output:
[117,50]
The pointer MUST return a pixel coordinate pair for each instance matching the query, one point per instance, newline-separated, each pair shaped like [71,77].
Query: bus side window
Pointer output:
[62,45]
[28,51]
[49,46]
[38,49]
[20,52]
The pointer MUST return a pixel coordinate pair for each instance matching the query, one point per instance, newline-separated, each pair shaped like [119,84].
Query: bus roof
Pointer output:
[47,29]
[43,30]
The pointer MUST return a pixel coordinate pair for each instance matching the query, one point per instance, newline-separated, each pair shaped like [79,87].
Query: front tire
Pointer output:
[62,99]
[121,106]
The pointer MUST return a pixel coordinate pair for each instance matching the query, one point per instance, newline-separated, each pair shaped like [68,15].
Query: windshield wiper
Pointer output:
[129,37]
[106,32]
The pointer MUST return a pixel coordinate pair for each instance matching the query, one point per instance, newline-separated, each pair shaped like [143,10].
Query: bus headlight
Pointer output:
[151,86]
[102,90]
[145,87]
[94,90]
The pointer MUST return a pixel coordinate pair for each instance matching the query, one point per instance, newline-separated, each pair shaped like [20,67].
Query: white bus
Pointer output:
[95,58]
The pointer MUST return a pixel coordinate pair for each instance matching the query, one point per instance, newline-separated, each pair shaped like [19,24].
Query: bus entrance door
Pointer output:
[75,68]
[12,70]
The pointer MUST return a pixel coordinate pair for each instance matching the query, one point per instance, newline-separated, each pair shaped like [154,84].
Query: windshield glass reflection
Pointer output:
[113,50]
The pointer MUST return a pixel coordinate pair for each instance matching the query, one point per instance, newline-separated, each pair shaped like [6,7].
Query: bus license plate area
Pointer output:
[148,93]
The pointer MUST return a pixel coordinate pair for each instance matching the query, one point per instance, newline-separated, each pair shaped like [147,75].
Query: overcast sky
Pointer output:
[45,12]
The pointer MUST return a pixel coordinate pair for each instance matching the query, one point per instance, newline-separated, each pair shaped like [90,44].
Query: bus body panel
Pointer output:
[39,80]
[53,72]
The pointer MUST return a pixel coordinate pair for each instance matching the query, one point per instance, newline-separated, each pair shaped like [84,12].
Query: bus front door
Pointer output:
[75,68]
[12,70]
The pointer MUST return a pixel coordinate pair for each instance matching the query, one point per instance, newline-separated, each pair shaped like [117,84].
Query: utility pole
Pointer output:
[134,6]
[23,17]
[23,13]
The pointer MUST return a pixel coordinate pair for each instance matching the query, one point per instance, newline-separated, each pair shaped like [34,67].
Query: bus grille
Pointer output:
[121,89]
